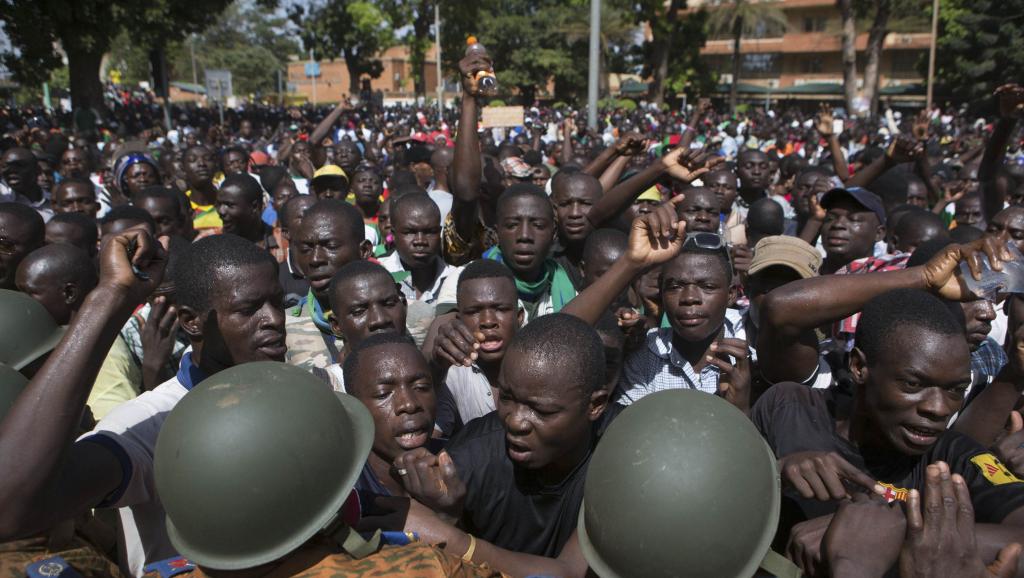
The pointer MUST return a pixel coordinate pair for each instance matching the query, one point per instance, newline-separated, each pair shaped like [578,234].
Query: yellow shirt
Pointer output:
[118,381]
[204,216]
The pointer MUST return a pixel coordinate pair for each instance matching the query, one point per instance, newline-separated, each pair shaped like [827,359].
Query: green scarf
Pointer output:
[553,279]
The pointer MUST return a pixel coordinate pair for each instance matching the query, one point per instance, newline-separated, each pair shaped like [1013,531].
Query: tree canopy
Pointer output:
[980,46]
[84,30]
[251,42]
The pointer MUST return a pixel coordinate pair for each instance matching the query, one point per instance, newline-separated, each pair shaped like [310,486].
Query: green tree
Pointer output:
[354,29]
[667,27]
[671,58]
[251,42]
[84,30]
[419,16]
[980,47]
[744,18]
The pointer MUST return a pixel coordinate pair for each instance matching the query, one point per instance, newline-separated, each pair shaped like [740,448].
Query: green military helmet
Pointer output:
[27,330]
[681,484]
[12,382]
[255,461]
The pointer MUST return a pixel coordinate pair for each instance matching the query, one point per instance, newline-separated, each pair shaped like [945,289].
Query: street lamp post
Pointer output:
[931,52]
[437,51]
[595,52]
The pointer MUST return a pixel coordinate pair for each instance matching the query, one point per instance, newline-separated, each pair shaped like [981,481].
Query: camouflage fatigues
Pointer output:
[82,556]
[417,560]
[305,341]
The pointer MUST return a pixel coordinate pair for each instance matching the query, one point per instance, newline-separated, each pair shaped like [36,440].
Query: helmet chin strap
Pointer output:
[351,541]
[779,566]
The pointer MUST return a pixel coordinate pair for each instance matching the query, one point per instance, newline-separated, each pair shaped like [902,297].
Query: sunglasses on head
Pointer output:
[704,240]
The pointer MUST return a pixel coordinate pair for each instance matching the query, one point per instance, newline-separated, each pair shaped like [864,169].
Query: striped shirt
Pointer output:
[658,366]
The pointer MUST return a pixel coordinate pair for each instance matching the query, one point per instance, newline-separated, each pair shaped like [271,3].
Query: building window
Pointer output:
[760,65]
[905,63]
[815,24]
[813,65]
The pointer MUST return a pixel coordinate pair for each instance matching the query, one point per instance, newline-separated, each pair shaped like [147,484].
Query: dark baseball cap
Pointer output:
[863,197]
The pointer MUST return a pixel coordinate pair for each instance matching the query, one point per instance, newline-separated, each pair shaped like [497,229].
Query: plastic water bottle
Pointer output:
[995,283]
[485,79]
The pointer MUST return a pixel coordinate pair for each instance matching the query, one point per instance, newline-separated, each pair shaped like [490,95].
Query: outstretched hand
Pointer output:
[657,236]
[825,120]
[688,165]
[821,475]
[904,149]
[940,539]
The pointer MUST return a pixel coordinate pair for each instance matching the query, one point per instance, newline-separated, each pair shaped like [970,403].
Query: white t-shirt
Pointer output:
[134,426]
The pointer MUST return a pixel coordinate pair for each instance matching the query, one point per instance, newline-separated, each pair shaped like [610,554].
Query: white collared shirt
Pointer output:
[422,310]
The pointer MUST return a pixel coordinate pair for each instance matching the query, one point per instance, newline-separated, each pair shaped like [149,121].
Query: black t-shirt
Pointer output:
[794,418]
[505,504]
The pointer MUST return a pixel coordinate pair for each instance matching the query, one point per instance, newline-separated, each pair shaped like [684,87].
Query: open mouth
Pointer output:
[275,348]
[518,452]
[413,438]
[919,436]
[492,343]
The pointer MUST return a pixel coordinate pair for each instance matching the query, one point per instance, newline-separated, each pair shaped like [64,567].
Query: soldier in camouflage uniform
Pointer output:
[300,448]
[329,236]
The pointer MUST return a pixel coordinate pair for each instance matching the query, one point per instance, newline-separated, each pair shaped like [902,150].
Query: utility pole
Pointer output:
[437,50]
[931,52]
[192,50]
[312,68]
[595,51]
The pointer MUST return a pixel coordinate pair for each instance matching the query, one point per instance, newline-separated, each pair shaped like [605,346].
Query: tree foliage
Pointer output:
[356,30]
[84,30]
[671,57]
[743,18]
[254,44]
[980,46]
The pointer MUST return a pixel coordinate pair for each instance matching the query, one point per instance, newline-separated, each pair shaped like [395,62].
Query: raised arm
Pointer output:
[611,175]
[653,239]
[900,151]
[786,346]
[568,127]
[827,132]
[466,166]
[603,160]
[322,129]
[680,163]
[1011,105]
[47,478]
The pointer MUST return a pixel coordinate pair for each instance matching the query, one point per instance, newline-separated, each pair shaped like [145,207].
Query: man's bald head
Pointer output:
[442,158]
[59,276]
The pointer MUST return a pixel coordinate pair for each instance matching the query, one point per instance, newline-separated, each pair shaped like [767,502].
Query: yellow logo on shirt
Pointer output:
[892,493]
[993,470]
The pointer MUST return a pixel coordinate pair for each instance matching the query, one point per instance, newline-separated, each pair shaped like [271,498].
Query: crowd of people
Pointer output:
[388,341]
